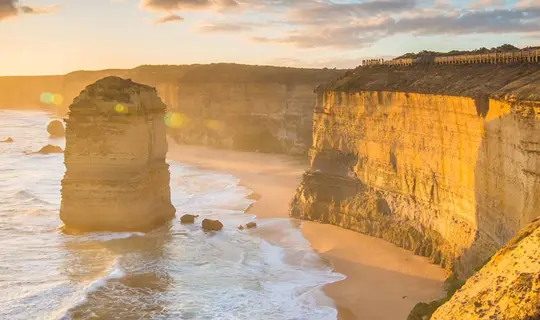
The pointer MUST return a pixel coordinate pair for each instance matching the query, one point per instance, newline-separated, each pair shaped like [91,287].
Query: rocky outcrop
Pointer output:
[188,218]
[212,225]
[7,140]
[116,176]
[506,288]
[441,160]
[50,149]
[55,129]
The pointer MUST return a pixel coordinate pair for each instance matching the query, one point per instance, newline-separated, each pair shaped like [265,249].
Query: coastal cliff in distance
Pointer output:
[265,109]
[242,107]
[443,160]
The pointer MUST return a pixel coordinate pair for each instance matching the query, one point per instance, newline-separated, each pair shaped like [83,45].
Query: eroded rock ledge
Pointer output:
[441,160]
[506,288]
[116,176]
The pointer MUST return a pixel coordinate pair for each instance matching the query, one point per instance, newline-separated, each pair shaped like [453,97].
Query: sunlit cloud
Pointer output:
[11,8]
[179,5]
[169,18]
[33,10]
[481,4]
[7,9]
[356,25]
[227,27]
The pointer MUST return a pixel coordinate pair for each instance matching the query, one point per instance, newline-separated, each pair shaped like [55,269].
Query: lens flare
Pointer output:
[51,98]
[46,97]
[58,99]
[176,120]
[120,108]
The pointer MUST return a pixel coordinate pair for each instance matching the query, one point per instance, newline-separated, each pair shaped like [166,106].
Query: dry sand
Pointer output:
[383,281]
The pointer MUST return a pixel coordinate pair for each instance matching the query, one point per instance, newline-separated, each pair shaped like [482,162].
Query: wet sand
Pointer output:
[383,281]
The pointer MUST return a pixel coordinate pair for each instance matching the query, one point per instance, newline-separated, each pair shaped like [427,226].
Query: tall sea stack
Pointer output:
[116,176]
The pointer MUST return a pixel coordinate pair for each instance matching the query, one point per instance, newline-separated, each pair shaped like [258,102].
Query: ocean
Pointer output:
[174,272]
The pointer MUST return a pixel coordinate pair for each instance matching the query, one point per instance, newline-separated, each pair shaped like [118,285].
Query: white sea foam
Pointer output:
[178,273]
[115,272]
[107,236]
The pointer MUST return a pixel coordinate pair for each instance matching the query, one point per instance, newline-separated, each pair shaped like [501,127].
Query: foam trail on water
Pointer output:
[108,236]
[115,272]
[175,272]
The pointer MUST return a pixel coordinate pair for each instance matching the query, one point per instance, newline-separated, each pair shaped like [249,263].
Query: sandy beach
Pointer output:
[383,281]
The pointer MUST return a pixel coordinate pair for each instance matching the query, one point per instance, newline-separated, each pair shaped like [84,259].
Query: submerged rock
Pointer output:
[212,225]
[116,176]
[7,140]
[188,218]
[56,129]
[50,149]
[249,225]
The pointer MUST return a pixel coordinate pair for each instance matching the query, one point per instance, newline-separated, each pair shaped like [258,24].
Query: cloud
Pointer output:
[179,5]
[358,24]
[229,27]
[11,8]
[481,4]
[361,32]
[31,10]
[317,12]
[8,9]
[169,18]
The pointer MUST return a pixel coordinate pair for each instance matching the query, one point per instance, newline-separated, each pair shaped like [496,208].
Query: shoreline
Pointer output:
[378,274]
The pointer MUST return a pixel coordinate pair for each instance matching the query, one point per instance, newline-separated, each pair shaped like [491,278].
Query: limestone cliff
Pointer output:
[267,109]
[441,160]
[116,176]
[506,288]
[224,105]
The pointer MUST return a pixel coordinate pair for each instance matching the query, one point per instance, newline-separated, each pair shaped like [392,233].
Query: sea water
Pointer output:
[174,272]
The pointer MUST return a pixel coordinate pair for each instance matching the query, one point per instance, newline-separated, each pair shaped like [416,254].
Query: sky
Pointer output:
[59,36]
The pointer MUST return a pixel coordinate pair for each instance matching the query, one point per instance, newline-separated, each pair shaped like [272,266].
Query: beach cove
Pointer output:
[378,274]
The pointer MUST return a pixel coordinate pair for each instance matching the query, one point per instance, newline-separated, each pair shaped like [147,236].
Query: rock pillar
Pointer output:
[116,176]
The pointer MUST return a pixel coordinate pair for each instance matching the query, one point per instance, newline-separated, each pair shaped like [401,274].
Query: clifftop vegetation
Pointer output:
[483,50]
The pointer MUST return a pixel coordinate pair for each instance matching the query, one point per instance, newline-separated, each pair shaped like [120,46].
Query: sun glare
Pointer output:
[176,120]
[51,98]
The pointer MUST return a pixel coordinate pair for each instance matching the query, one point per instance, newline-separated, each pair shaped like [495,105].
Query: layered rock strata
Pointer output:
[444,160]
[116,176]
[249,108]
[506,288]
[243,107]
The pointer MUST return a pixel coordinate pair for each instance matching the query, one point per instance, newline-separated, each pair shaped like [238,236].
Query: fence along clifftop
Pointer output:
[521,56]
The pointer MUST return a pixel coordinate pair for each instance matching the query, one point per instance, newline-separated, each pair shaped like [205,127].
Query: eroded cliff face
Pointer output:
[449,177]
[116,176]
[506,288]
[269,109]
[250,108]
[266,117]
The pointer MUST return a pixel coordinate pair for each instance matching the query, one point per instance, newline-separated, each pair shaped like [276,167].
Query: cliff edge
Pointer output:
[506,288]
[443,160]
[501,81]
